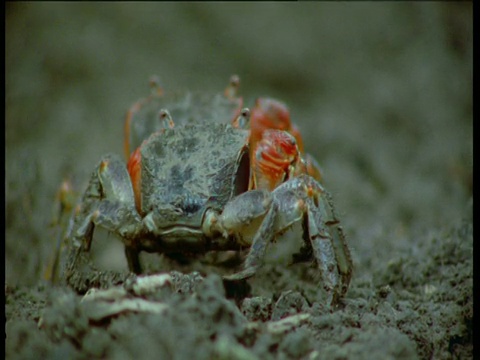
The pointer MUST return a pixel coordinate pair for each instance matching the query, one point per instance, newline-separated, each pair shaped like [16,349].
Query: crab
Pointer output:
[207,174]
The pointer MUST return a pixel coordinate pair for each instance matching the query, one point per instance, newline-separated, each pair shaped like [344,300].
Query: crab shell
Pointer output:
[182,172]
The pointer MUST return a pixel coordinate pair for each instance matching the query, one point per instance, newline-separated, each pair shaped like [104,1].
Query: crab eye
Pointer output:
[166,119]
[243,120]
[242,175]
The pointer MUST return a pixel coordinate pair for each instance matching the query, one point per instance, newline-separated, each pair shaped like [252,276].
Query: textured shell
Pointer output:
[185,108]
[190,168]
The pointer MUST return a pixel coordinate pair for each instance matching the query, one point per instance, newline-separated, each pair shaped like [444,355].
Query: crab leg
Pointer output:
[324,253]
[263,234]
[109,181]
[305,195]
[300,199]
[342,252]
[156,91]
[128,124]
[263,237]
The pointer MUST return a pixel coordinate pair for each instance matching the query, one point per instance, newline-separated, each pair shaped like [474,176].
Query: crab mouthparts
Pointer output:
[180,231]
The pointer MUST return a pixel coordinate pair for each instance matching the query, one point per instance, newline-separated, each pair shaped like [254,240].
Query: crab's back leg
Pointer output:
[128,125]
[65,201]
[156,90]
[134,168]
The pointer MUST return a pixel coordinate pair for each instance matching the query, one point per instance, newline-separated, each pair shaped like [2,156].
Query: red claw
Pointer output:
[272,114]
[276,158]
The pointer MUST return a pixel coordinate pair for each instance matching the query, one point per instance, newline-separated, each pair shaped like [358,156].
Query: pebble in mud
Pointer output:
[257,308]
[289,303]
[186,283]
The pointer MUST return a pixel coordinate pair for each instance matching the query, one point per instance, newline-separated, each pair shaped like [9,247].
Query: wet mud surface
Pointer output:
[423,313]
[384,105]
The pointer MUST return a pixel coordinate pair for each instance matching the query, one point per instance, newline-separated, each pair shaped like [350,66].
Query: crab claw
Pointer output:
[272,114]
[276,159]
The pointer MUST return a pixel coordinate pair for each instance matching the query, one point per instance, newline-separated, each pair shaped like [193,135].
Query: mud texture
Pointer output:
[382,94]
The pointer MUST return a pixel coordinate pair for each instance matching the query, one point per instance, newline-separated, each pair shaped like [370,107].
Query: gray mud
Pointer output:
[382,94]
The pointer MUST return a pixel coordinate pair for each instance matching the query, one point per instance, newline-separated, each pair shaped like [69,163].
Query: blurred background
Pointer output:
[382,93]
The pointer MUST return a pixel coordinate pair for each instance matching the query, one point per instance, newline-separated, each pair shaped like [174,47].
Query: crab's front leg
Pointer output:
[304,199]
[254,215]
[250,218]
[296,198]
[108,202]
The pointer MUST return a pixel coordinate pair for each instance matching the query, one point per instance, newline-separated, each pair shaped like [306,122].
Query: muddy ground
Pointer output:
[383,96]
